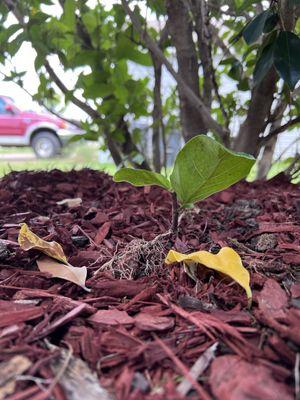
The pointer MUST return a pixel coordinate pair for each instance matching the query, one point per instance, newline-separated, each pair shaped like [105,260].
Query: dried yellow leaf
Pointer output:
[227,261]
[68,272]
[29,240]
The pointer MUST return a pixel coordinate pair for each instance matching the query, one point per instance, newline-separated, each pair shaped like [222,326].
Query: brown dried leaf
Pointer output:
[68,272]
[29,240]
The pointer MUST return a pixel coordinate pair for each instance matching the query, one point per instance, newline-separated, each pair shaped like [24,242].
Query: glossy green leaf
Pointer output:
[264,63]
[255,27]
[141,177]
[287,58]
[271,22]
[204,167]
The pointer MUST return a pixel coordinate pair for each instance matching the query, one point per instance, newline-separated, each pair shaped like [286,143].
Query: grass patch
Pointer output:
[76,156]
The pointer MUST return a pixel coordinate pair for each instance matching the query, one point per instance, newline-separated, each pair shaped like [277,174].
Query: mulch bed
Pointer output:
[142,336]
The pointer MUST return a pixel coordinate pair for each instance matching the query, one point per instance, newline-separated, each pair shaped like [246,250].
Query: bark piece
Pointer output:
[148,322]
[102,232]
[111,317]
[232,378]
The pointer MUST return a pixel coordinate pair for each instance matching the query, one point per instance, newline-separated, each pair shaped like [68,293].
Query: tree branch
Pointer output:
[191,96]
[280,129]
[79,103]
[41,103]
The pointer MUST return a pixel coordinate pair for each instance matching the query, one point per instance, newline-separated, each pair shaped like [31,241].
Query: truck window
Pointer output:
[2,107]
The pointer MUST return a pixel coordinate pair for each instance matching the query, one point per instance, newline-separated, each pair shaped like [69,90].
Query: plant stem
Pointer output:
[175,214]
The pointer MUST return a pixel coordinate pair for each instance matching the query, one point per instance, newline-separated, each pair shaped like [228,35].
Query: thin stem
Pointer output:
[175,214]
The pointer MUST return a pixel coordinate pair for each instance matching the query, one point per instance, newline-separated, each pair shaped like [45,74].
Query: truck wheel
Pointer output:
[45,145]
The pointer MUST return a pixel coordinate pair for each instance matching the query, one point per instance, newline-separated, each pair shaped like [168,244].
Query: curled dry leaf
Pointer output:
[68,272]
[29,240]
[227,261]
[77,201]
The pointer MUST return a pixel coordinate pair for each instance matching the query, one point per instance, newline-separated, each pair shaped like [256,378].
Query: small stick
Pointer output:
[197,369]
[85,234]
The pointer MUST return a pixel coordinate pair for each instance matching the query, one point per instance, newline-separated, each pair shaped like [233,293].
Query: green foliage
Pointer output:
[201,168]
[280,166]
[99,46]
[264,63]
[141,177]
[255,28]
[287,58]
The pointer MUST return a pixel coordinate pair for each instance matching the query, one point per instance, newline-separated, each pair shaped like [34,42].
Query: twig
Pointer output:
[62,370]
[197,369]
[41,103]
[183,369]
[85,234]
[47,393]
[280,129]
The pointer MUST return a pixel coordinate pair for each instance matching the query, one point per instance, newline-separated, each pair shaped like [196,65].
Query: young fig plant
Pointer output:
[202,167]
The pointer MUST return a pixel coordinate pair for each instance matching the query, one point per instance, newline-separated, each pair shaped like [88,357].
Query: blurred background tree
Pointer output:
[143,71]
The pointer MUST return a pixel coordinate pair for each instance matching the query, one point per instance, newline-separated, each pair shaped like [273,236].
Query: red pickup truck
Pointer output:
[45,133]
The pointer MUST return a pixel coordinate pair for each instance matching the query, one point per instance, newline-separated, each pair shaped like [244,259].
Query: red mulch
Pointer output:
[142,336]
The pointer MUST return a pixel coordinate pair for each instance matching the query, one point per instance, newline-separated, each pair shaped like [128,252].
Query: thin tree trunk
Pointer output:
[156,115]
[200,13]
[266,160]
[262,96]
[258,112]
[129,148]
[181,30]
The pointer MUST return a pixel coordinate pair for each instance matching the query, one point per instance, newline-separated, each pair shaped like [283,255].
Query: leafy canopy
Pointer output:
[202,167]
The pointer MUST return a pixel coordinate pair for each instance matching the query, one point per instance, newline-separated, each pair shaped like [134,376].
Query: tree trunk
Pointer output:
[200,13]
[129,148]
[181,30]
[258,112]
[262,96]
[156,115]
[265,162]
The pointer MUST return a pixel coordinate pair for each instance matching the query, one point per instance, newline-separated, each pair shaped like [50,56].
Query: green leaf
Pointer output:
[264,63]
[204,167]
[236,71]
[255,27]
[271,22]
[69,13]
[127,49]
[287,58]
[141,177]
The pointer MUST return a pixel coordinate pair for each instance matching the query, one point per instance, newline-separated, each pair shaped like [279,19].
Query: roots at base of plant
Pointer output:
[139,258]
